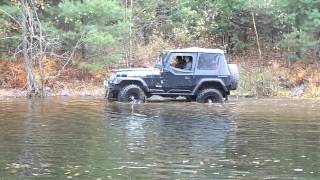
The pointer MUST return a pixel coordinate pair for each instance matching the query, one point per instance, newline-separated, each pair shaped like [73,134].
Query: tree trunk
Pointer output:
[257,36]
[83,45]
[32,86]
[28,32]
[130,34]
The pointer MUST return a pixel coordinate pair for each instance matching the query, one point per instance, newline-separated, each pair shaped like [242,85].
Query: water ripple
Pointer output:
[88,138]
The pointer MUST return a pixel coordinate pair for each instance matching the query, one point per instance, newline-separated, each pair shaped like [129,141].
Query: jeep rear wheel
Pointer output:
[131,93]
[210,95]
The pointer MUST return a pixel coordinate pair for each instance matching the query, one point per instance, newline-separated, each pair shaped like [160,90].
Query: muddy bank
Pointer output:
[50,92]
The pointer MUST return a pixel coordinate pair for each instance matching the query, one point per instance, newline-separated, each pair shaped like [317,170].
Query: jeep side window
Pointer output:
[182,62]
[208,61]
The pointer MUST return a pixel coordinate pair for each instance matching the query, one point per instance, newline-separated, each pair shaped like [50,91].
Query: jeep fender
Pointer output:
[138,81]
[205,80]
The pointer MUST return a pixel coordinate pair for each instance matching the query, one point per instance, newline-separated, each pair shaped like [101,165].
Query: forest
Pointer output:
[49,46]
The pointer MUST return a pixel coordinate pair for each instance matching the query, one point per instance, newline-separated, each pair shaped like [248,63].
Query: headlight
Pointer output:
[112,77]
[105,83]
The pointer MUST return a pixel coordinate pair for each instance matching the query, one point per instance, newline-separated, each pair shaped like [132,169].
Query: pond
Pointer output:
[88,138]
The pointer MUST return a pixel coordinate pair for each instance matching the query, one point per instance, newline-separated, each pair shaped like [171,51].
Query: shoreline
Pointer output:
[92,91]
[98,91]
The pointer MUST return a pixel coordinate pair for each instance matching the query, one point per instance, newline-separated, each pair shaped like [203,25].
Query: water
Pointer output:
[87,138]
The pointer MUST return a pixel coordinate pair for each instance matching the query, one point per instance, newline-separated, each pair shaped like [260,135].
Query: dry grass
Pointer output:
[272,76]
[12,74]
[145,56]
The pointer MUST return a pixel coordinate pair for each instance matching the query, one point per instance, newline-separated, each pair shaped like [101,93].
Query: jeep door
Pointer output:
[177,76]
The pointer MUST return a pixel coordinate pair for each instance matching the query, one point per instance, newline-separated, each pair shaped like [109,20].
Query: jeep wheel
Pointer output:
[111,96]
[131,93]
[210,95]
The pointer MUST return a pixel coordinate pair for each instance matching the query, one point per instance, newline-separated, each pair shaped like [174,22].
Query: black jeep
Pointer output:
[198,74]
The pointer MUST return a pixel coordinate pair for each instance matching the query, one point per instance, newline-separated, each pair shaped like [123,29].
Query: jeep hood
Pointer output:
[137,72]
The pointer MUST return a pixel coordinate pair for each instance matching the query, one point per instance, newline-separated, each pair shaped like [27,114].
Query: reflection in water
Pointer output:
[33,142]
[90,139]
[169,138]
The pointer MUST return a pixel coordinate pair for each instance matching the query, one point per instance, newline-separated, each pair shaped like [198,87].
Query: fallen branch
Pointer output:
[12,37]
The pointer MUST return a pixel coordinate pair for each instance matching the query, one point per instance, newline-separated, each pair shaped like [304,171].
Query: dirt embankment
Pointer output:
[72,81]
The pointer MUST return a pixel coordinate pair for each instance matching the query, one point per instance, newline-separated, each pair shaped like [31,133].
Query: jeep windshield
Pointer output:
[161,59]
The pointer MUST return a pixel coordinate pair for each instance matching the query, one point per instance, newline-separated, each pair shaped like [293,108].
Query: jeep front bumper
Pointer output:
[106,84]
[111,88]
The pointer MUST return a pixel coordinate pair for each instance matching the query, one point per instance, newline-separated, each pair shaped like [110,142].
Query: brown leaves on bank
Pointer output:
[302,72]
[12,74]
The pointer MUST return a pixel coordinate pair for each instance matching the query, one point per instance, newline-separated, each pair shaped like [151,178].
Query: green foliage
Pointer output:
[101,27]
[302,18]
[9,29]
[97,24]
[298,43]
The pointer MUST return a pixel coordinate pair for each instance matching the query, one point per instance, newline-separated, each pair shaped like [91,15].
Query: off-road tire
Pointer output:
[131,93]
[235,76]
[207,95]
[111,96]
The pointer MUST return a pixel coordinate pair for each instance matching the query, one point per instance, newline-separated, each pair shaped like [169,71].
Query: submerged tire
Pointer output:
[235,76]
[132,93]
[210,95]
[190,98]
[111,96]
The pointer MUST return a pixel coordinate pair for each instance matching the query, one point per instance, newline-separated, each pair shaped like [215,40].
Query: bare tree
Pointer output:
[32,47]
[36,44]
[257,36]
